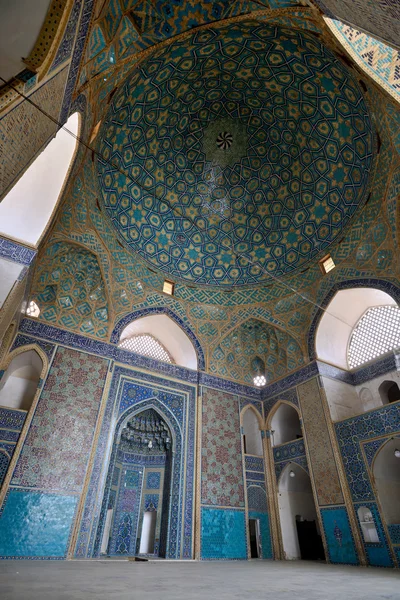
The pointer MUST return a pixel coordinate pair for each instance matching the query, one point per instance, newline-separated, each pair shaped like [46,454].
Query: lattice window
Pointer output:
[377,332]
[147,345]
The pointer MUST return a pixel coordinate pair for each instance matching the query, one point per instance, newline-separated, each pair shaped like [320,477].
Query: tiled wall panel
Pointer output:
[56,449]
[221,460]
[223,534]
[338,535]
[326,477]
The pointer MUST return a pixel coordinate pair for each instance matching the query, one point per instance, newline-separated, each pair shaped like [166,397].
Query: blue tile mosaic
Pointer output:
[65,48]
[351,432]
[394,533]
[11,250]
[253,463]
[4,462]
[50,518]
[340,542]
[132,392]
[254,476]
[266,543]
[223,534]
[76,57]
[25,340]
[153,481]
[12,418]
[257,497]
[288,392]
[151,501]
[299,460]
[289,450]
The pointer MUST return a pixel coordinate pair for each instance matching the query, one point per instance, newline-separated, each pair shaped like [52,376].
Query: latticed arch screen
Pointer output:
[147,345]
[376,333]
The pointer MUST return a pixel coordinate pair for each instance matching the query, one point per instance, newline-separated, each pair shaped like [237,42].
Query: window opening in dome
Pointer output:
[168,287]
[146,345]
[375,334]
[32,309]
[327,264]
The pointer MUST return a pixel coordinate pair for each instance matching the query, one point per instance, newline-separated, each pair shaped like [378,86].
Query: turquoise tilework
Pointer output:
[338,535]
[266,544]
[223,534]
[34,524]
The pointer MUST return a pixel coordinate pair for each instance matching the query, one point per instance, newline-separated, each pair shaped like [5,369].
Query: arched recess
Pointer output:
[169,329]
[22,374]
[284,423]
[301,536]
[345,304]
[168,544]
[251,422]
[386,474]
[389,392]
[27,209]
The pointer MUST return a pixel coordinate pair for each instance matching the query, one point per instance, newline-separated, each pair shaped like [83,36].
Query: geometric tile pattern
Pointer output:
[351,433]
[124,29]
[186,213]
[326,477]
[70,290]
[339,538]
[221,456]
[257,499]
[223,534]
[289,450]
[234,355]
[380,61]
[153,481]
[56,449]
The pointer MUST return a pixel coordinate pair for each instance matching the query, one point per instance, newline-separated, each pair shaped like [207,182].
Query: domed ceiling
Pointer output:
[235,154]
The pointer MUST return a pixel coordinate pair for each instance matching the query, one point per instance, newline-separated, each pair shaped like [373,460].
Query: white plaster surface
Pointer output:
[343,400]
[251,430]
[27,208]
[286,425]
[189,580]
[295,497]
[343,313]
[19,383]
[169,334]
[20,24]
[9,273]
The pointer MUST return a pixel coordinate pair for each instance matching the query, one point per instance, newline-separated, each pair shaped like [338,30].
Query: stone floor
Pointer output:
[255,580]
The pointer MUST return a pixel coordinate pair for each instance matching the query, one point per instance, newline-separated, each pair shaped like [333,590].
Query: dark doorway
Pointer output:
[254,530]
[310,542]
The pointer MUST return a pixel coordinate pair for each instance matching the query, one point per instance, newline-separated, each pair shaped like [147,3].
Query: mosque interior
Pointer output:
[200,280]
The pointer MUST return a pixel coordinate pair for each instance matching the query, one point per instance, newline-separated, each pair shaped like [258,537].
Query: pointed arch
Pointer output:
[162,310]
[284,423]
[251,426]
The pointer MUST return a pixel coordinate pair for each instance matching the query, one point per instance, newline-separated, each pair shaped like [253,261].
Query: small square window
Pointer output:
[327,264]
[168,287]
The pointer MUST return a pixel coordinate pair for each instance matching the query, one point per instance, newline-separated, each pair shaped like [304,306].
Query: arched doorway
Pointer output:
[252,441]
[19,383]
[386,472]
[139,488]
[301,536]
[285,425]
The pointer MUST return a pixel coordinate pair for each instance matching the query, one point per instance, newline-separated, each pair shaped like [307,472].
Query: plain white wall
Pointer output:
[169,334]
[286,425]
[343,313]
[343,399]
[148,532]
[19,383]
[9,273]
[20,24]
[27,208]
[295,497]
[251,430]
